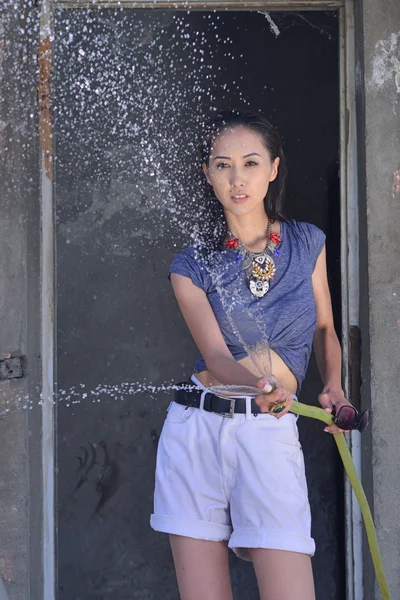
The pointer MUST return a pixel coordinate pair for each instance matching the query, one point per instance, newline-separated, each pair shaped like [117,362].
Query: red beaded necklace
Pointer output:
[232,242]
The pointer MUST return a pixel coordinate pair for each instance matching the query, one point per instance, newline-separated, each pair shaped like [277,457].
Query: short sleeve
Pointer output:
[187,264]
[315,240]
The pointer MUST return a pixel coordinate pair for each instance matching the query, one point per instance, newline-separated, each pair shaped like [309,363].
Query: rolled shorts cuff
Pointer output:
[193,528]
[255,537]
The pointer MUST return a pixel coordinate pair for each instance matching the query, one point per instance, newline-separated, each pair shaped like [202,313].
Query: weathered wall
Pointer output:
[381,295]
[20,518]
[19,316]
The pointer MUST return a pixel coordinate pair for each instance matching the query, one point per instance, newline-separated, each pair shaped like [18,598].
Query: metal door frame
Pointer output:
[349,247]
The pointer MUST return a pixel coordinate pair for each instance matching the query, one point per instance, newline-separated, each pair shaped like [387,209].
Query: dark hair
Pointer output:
[273,201]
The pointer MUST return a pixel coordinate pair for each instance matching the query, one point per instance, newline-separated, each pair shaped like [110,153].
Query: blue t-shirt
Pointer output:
[285,317]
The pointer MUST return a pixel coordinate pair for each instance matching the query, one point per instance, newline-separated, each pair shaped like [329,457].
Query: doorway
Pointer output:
[132,89]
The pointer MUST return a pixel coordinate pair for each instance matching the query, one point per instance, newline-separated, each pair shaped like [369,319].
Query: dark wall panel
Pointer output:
[132,90]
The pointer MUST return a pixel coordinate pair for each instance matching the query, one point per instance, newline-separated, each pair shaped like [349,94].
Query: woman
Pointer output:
[231,474]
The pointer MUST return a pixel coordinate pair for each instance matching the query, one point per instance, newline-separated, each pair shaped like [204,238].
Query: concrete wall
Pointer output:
[20,480]
[381,295]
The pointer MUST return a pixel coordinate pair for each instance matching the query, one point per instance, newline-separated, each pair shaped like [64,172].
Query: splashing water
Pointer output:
[78,394]
[158,71]
[123,59]
[145,142]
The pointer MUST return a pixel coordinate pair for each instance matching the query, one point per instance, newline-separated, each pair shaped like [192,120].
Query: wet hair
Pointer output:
[215,228]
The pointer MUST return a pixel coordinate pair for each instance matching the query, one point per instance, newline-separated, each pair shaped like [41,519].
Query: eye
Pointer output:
[251,163]
[222,165]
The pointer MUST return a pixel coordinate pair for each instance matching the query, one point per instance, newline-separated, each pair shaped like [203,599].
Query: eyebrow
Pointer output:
[245,156]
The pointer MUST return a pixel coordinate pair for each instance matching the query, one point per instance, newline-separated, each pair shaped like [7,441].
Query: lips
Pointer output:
[239,198]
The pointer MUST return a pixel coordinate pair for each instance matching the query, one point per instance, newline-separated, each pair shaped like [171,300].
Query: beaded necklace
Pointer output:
[259,267]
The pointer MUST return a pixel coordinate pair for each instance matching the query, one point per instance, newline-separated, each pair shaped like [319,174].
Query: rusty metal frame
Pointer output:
[350,269]
[349,242]
[48,299]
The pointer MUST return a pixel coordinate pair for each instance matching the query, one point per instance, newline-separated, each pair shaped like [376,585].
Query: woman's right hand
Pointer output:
[273,396]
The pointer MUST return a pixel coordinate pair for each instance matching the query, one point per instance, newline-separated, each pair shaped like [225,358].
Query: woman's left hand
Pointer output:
[331,399]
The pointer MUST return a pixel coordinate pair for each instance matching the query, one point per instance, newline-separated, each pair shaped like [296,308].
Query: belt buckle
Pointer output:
[231,413]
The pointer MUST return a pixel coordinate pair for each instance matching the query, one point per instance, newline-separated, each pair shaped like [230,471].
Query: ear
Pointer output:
[275,166]
[205,171]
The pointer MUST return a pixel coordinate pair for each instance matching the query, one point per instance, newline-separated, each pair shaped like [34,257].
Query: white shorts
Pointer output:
[239,480]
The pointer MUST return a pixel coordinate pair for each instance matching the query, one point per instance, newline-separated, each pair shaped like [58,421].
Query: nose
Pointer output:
[237,178]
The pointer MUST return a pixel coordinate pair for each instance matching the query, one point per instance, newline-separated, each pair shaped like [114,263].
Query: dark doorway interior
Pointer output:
[132,89]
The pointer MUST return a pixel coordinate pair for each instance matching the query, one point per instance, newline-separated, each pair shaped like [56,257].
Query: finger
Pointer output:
[266,404]
[268,387]
[263,403]
[278,395]
[265,400]
[264,385]
[331,428]
[268,384]
[334,429]
[285,410]
[325,400]
[282,407]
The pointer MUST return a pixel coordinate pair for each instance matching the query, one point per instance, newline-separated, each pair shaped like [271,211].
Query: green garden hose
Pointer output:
[322,415]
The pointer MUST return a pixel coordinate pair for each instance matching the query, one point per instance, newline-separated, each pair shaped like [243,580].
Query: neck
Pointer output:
[250,229]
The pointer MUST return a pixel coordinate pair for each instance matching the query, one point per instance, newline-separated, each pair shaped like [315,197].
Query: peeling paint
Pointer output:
[397,82]
[273,26]
[44,56]
[396,183]
[6,566]
[3,51]
[386,63]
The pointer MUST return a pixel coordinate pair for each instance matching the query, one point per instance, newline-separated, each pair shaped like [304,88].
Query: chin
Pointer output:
[242,209]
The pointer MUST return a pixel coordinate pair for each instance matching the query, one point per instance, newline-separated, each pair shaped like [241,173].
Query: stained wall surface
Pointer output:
[381,291]
[132,91]
[20,474]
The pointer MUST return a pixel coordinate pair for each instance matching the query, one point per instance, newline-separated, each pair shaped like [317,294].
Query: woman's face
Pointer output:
[240,170]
